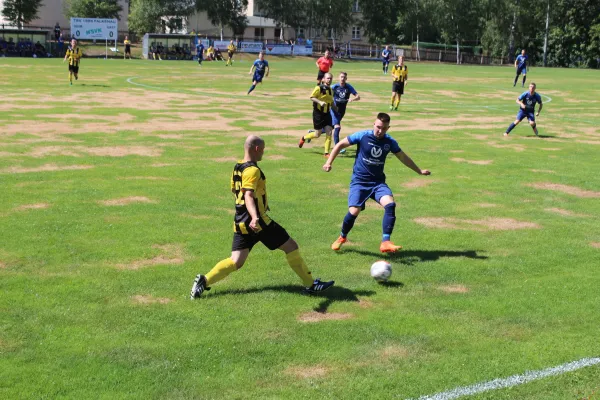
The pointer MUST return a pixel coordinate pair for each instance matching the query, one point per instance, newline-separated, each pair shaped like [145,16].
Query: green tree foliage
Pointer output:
[20,12]
[93,8]
[223,13]
[292,13]
[146,16]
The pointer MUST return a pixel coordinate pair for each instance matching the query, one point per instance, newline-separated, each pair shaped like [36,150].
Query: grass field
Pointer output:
[115,194]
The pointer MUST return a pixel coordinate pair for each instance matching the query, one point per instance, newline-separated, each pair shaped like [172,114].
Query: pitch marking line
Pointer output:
[502,383]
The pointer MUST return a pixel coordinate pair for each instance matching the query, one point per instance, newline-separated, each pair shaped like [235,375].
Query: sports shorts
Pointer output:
[320,75]
[74,69]
[361,192]
[258,77]
[273,237]
[321,119]
[336,117]
[522,70]
[524,113]
[398,87]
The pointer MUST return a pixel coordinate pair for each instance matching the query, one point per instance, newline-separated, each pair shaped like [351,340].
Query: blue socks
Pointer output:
[510,127]
[336,135]
[347,224]
[389,220]
[251,88]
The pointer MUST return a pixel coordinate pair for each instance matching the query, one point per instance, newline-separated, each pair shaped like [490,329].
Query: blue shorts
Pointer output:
[257,77]
[386,61]
[361,192]
[522,70]
[522,114]
[336,117]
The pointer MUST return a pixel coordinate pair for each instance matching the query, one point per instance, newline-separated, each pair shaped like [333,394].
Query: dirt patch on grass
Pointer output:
[516,147]
[281,123]
[315,371]
[146,299]
[418,183]
[486,205]
[161,165]
[122,151]
[572,190]
[122,117]
[147,178]
[171,255]
[475,162]
[595,244]
[37,206]
[450,93]
[566,213]
[2,265]
[487,224]
[44,168]
[453,289]
[225,159]
[393,352]
[277,157]
[314,316]
[543,171]
[126,201]
[363,303]
[192,216]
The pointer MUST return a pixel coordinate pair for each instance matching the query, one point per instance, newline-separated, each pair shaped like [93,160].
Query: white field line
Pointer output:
[130,80]
[502,383]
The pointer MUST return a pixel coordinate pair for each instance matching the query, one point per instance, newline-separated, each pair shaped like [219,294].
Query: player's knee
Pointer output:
[289,246]
[390,208]
[533,124]
[354,211]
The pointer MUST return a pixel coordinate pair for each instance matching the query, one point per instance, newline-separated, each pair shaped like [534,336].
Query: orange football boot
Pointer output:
[388,247]
[338,243]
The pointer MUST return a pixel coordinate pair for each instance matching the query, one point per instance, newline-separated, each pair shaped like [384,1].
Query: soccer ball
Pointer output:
[381,271]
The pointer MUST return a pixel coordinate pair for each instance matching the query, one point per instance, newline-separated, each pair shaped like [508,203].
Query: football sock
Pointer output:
[389,220]
[348,224]
[311,135]
[510,127]
[524,79]
[398,101]
[251,88]
[383,68]
[220,271]
[327,143]
[71,77]
[336,135]
[297,263]
[393,100]
[516,78]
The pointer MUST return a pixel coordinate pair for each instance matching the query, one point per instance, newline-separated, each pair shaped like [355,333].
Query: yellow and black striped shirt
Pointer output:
[231,48]
[248,176]
[324,93]
[74,55]
[400,73]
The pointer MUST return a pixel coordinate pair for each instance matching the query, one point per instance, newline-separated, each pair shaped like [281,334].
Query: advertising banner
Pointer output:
[276,49]
[94,28]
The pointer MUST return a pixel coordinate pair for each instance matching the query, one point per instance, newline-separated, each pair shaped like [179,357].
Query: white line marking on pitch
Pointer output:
[502,383]
[130,80]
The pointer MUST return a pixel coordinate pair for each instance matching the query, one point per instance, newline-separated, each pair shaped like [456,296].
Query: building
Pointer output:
[52,11]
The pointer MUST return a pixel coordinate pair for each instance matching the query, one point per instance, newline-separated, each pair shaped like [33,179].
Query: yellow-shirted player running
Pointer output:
[74,55]
[400,74]
[322,98]
[252,225]
[230,52]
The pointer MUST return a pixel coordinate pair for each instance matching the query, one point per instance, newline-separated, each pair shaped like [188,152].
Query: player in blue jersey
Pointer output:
[385,56]
[368,179]
[521,66]
[260,68]
[527,102]
[200,52]
[341,98]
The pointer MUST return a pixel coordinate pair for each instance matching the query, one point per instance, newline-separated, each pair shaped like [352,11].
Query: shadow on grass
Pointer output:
[336,293]
[88,85]
[542,136]
[411,257]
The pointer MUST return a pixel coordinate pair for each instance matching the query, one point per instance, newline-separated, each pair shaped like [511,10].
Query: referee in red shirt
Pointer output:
[324,64]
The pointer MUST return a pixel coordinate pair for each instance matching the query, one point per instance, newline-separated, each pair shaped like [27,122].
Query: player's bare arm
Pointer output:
[251,207]
[406,160]
[251,70]
[319,102]
[334,153]
[521,104]
[267,71]
[539,110]
[355,98]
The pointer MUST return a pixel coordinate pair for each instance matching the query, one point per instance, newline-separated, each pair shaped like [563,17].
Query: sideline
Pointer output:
[502,383]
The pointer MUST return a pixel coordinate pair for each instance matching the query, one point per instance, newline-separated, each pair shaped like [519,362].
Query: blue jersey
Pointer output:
[529,100]
[386,54]
[521,61]
[260,66]
[199,49]
[370,156]
[341,94]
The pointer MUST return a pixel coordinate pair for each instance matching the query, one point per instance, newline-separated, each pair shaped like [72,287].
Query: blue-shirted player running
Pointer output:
[341,98]
[260,69]
[521,66]
[385,56]
[527,102]
[368,179]
[200,52]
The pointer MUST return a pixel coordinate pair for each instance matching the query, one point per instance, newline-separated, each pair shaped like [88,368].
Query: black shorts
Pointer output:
[128,49]
[74,69]
[398,87]
[273,237]
[230,54]
[320,75]
[321,119]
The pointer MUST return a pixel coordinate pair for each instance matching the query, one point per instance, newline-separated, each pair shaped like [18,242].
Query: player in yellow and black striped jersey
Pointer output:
[400,74]
[230,52]
[253,225]
[74,55]
[322,98]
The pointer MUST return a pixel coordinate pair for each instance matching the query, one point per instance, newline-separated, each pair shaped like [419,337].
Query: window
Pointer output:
[355,33]
[355,6]
[259,33]
[277,33]
[317,32]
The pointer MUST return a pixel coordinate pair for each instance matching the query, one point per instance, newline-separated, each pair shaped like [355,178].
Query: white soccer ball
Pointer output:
[381,271]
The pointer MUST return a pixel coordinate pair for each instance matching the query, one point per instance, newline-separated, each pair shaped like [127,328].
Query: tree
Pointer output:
[145,16]
[93,8]
[458,21]
[21,12]
[224,13]
[292,13]
[378,29]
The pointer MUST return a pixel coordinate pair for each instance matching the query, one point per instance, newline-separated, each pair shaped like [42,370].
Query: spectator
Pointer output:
[61,43]
[56,31]
[39,50]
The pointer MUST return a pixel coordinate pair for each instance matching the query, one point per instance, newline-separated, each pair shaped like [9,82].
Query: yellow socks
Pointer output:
[398,101]
[220,271]
[311,135]
[393,99]
[296,262]
[71,77]
[327,143]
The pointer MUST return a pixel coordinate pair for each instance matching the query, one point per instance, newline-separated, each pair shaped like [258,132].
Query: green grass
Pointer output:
[466,304]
